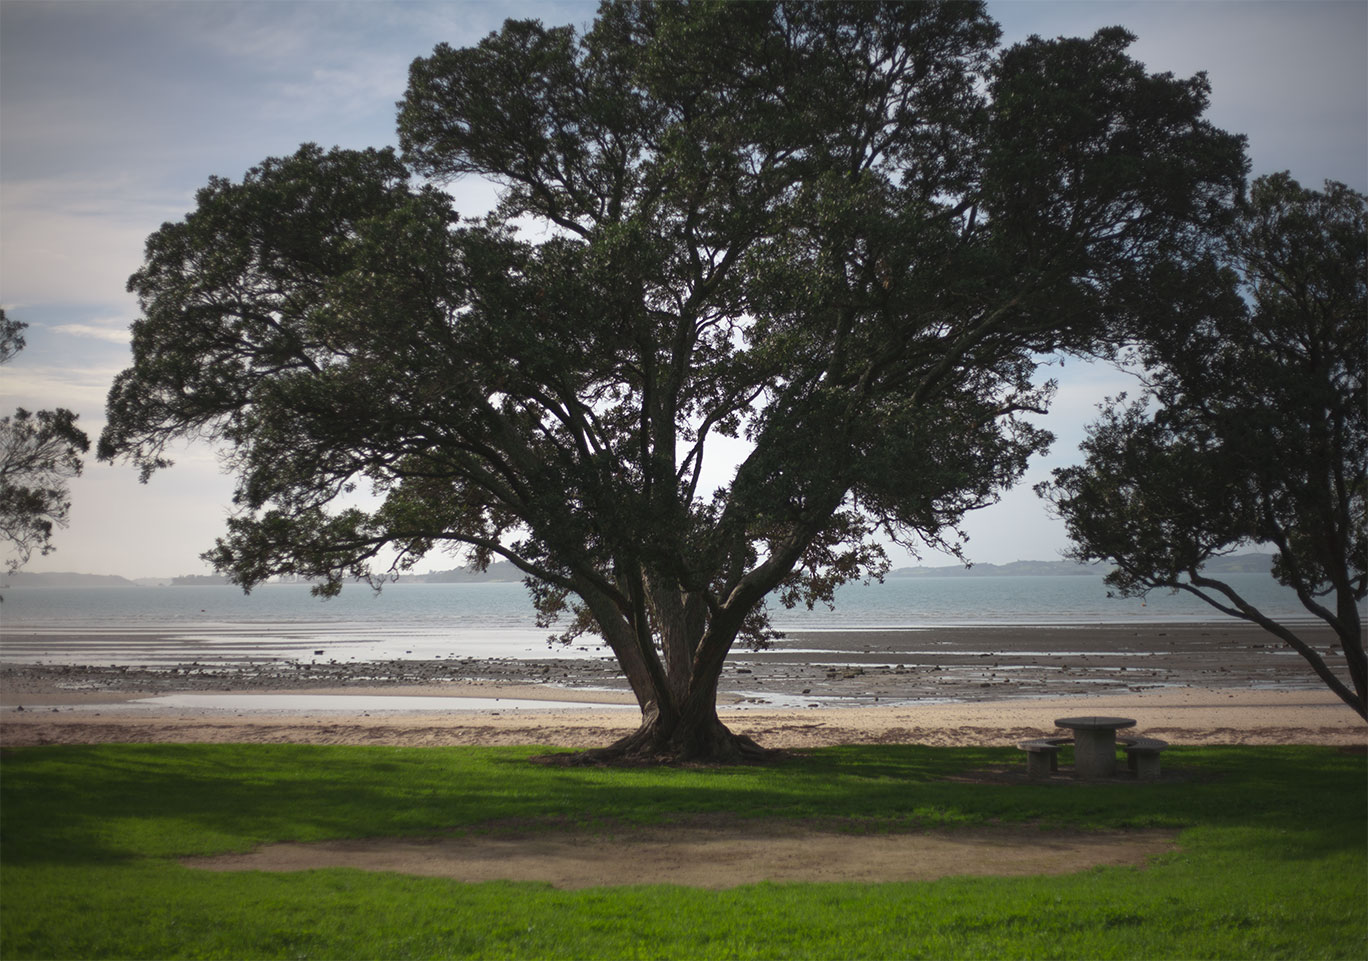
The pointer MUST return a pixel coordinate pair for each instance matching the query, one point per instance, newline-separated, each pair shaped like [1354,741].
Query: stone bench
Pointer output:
[1042,755]
[1142,755]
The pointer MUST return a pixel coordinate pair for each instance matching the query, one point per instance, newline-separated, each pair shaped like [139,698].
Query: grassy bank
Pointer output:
[1272,858]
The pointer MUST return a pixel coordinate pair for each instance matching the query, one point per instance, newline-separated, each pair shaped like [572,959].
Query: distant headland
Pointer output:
[1248,563]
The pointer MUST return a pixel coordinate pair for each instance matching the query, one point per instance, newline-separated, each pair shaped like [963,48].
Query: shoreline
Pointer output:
[1188,683]
[1185,683]
[1189,716]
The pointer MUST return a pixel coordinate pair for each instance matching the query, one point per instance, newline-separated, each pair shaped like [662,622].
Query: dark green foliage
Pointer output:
[1253,427]
[817,228]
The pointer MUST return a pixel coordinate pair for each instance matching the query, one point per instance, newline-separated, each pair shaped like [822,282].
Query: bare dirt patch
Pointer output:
[714,855]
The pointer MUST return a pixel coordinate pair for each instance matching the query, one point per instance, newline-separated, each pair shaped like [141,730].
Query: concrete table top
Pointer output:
[1094,723]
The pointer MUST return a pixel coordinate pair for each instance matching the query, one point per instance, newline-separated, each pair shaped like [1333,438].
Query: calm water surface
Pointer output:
[427,621]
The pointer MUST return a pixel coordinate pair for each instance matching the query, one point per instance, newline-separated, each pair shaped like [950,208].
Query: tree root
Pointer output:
[707,744]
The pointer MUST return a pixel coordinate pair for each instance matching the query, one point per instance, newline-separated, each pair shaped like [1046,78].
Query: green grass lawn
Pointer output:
[1273,859]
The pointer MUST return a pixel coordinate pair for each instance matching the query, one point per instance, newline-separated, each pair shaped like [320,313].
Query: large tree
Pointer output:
[40,453]
[1252,428]
[841,233]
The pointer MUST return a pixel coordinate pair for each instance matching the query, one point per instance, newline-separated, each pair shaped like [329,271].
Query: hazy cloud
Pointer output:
[76,240]
[114,335]
[82,389]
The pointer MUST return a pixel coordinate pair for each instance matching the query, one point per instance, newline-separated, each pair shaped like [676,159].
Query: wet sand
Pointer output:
[849,668]
[1188,684]
[1182,716]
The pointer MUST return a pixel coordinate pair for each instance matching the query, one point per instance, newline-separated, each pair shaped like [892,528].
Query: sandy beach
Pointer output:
[1185,716]
[1187,684]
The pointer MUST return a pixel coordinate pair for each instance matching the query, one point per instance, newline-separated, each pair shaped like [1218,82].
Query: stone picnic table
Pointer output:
[1094,743]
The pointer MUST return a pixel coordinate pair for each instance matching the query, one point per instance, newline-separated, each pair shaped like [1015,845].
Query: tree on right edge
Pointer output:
[1252,428]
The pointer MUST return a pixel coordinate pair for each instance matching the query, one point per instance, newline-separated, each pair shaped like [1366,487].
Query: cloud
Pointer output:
[76,240]
[113,335]
[82,389]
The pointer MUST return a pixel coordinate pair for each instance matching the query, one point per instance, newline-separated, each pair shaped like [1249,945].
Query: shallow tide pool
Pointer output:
[343,703]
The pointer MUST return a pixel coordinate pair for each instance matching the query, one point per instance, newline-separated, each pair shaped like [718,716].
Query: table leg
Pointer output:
[1094,753]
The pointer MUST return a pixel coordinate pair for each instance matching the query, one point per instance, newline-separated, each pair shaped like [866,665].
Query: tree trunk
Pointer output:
[1350,634]
[682,729]
[677,693]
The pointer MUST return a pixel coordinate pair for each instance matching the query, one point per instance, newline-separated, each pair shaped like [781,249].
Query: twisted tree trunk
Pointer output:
[677,692]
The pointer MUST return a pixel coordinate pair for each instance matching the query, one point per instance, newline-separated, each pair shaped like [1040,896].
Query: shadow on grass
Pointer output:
[109,803]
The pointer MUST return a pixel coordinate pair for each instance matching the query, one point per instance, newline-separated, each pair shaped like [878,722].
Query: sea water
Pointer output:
[219,624]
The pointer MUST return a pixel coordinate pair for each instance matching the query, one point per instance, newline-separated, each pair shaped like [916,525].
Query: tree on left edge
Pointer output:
[40,452]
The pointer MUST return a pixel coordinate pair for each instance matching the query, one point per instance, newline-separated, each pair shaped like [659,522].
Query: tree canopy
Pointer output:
[40,452]
[843,234]
[1252,428]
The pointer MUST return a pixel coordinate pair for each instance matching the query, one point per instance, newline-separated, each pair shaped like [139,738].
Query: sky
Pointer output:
[113,113]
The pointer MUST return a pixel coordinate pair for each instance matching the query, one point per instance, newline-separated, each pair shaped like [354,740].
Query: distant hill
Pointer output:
[502,571]
[498,571]
[199,580]
[1250,563]
[64,579]
[1241,564]
[1014,569]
